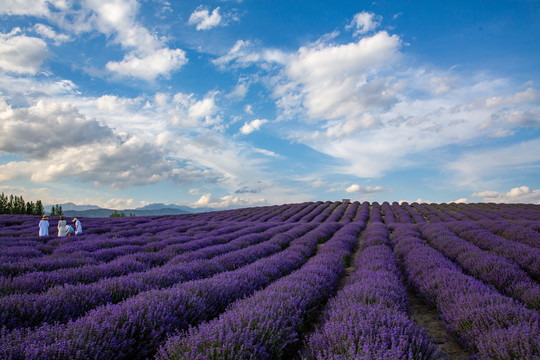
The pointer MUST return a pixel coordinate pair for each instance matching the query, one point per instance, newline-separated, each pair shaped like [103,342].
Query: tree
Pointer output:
[117,214]
[30,208]
[39,208]
[10,205]
[15,204]
[19,205]
[3,204]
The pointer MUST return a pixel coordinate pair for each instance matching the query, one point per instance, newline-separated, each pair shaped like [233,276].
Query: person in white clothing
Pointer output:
[78,226]
[61,226]
[44,226]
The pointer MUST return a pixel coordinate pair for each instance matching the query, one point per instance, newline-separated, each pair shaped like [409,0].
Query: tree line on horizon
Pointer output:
[14,204]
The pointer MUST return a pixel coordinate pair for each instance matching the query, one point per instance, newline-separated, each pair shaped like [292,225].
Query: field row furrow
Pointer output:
[368,318]
[134,328]
[491,268]
[493,326]
[268,324]
[68,302]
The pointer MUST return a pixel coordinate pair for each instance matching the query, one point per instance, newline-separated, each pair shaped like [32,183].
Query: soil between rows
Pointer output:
[427,318]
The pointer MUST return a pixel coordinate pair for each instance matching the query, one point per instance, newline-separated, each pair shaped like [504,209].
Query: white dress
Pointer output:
[78,227]
[62,228]
[44,228]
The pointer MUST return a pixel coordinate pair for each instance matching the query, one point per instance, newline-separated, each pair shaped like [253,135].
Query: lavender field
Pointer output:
[318,280]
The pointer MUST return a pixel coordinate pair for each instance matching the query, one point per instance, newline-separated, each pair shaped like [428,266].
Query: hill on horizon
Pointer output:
[71,209]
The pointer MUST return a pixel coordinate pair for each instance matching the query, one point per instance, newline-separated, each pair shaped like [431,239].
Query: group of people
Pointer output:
[63,228]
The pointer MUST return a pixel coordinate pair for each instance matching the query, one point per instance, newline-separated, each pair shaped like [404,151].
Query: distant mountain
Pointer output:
[73,210]
[159,206]
[107,212]
[71,206]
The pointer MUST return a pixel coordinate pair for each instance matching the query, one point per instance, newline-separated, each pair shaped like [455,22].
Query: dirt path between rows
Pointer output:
[427,318]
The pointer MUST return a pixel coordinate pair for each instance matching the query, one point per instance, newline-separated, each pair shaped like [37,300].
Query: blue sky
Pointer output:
[240,103]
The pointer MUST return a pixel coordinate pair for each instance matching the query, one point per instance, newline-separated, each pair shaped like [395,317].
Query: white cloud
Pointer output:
[268,153]
[244,54]
[240,90]
[528,118]
[21,54]
[48,33]
[355,188]
[113,103]
[193,113]
[248,109]
[147,55]
[203,20]
[460,201]
[354,102]
[25,7]
[442,85]
[317,85]
[477,166]
[530,95]
[119,204]
[252,126]
[44,129]
[364,22]
[229,201]
[522,194]
[161,62]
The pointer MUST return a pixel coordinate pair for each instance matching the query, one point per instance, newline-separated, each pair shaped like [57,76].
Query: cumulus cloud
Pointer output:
[112,163]
[203,20]
[21,54]
[316,85]
[149,66]
[25,7]
[252,126]
[43,129]
[355,188]
[147,55]
[522,194]
[193,113]
[48,33]
[119,204]
[57,141]
[245,53]
[364,22]
[229,201]
[355,103]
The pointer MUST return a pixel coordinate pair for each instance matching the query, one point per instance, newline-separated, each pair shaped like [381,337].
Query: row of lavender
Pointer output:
[491,324]
[168,251]
[524,216]
[135,327]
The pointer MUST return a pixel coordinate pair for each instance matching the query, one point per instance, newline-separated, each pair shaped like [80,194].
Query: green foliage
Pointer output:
[39,208]
[57,210]
[118,214]
[14,204]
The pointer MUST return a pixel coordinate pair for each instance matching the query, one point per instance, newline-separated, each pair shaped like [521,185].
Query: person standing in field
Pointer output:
[78,226]
[61,226]
[44,226]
